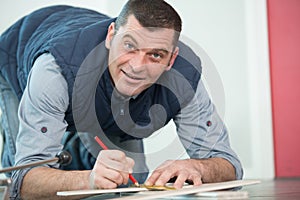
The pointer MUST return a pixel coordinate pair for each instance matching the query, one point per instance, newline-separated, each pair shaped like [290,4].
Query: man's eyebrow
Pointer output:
[161,50]
[166,51]
[130,36]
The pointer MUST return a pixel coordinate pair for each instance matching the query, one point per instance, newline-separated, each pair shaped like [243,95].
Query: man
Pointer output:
[80,74]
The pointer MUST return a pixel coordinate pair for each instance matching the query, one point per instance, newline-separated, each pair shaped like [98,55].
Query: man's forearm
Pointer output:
[43,182]
[216,170]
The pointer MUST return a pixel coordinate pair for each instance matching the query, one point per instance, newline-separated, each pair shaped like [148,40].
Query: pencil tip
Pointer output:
[137,184]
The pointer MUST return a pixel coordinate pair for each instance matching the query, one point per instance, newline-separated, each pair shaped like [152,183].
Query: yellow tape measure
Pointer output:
[156,187]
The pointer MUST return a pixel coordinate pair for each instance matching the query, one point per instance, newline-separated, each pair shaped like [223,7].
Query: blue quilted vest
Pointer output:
[74,36]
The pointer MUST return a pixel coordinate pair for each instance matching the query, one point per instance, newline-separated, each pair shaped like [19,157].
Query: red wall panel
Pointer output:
[284,41]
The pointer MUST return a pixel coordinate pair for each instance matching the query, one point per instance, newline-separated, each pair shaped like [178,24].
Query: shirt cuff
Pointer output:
[17,179]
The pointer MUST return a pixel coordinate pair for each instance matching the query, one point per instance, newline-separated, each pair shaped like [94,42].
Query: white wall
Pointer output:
[231,38]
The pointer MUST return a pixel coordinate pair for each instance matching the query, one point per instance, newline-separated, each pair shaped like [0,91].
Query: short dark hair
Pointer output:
[152,14]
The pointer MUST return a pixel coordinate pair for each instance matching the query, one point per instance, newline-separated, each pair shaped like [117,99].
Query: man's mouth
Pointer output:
[132,76]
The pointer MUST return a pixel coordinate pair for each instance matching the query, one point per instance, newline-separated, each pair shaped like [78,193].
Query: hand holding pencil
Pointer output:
[112,168]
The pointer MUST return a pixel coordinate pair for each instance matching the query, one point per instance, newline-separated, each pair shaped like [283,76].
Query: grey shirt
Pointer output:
[45,101]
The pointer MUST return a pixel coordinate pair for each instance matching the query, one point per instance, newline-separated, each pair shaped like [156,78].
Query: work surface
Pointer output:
[267,189]
[275,189]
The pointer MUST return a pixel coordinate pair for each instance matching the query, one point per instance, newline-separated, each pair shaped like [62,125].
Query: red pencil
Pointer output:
[105,148]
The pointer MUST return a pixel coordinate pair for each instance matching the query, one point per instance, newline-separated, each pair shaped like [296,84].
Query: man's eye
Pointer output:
[129,46]
[156,55]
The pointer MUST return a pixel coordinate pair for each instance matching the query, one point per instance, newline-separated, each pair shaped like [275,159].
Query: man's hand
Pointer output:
[198,171]
[182,169]
[111,169]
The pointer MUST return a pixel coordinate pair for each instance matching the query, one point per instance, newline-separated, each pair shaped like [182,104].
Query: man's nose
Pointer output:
[138,62]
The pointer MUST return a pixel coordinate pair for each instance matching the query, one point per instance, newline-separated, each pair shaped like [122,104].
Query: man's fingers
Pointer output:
[180,169]
[152,179]
[196,178]
[104,174]
[116,176]
[180,180]
[130,163]
[164,177]
[160,177]
[156,178]
[111,169]
[117,160]
[99,181]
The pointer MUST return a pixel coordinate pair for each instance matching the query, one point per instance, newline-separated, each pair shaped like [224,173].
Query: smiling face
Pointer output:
[138,55]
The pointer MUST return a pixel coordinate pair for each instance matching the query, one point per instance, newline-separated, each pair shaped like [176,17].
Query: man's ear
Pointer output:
[110,35]
[172,59]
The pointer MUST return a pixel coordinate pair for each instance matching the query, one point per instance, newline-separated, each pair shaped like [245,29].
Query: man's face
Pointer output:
[138,56]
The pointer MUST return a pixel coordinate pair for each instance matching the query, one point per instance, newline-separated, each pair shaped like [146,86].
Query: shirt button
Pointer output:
[122,112]
[208,123]
[44,129]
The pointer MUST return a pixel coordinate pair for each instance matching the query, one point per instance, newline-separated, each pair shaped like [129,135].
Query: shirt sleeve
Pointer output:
[203,133]
[41,116]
